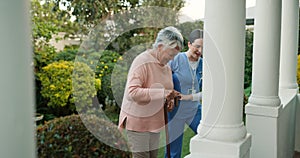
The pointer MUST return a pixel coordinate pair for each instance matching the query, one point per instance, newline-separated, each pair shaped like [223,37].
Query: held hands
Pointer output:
[170,96]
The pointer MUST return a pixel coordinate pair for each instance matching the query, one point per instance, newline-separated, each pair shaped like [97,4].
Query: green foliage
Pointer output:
[66,55]
[46,22]
[247,91]
[187,136]
[69,137]
[298,71]
[57,83]
[118,81]
[146,34]
[133,38]
[89,12]
[186,28]
[174,4]
[248,66]
[43,25]
[84,86]
[63,87]
[248,59]
[101,63]
[94,13]
[112,111]
[44,54]
[120,71]
[104,71]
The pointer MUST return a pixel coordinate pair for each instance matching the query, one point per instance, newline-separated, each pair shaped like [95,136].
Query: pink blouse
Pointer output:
[142,106]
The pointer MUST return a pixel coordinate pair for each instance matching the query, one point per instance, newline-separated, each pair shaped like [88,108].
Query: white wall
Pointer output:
[297,130]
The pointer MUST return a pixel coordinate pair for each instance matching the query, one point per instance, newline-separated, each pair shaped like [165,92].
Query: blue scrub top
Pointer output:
[182,80]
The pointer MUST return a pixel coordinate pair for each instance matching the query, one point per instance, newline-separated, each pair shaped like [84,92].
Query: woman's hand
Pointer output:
[170,105]
[170,96]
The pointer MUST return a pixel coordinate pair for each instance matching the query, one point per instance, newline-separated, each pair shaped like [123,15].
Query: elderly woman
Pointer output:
[149,85]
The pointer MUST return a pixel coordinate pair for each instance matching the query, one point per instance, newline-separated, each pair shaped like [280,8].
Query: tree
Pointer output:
[96,13]
[45,24]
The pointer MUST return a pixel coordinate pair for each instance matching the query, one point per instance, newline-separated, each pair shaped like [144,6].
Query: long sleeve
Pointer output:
[142,105]
[197,96]
[139,93]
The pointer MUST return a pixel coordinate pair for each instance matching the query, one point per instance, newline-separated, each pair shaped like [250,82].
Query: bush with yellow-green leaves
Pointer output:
[68,83]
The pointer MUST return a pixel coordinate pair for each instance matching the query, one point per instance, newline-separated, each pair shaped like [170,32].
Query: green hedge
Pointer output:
[69,137]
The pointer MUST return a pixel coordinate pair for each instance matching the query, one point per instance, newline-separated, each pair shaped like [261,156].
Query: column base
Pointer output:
[262,123]
[217,132]
[202,147]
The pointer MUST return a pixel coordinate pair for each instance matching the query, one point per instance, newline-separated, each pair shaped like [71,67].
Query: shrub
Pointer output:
[66,55]
[69,137]
[104,70]
[63,88]
[102,63]
[43,55]
[248,59]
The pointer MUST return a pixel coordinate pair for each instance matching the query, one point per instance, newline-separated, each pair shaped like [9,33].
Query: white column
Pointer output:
[16,81]
[221,132]
[264,104]
[265,73]
[288,61]
[289,44]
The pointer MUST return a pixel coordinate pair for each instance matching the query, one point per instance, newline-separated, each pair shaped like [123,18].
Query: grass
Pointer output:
[188,134]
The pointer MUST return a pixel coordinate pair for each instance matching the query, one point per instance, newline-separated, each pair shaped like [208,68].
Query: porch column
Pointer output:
[221,132]
[288,70]
[289,44]
[264,105]
[16,81]
[288,65]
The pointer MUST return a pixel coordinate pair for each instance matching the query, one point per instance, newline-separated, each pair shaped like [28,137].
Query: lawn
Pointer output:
[188,134]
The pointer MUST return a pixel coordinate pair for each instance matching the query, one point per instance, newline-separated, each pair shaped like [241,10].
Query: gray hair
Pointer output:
[169,36]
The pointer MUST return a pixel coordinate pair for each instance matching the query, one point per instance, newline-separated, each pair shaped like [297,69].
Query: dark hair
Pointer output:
[195,34]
